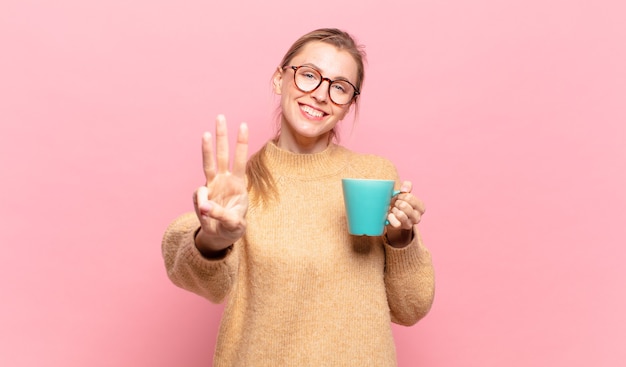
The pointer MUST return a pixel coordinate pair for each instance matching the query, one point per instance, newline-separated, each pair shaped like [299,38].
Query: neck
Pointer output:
[302,145]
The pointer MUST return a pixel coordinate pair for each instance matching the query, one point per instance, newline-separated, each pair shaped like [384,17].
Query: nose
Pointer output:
[321,92]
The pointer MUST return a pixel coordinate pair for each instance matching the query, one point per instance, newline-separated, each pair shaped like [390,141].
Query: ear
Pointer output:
[277,80]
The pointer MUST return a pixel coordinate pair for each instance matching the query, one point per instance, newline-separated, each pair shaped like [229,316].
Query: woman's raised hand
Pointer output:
[222,203]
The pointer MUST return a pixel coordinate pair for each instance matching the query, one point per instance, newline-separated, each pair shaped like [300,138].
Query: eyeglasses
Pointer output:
[307,79]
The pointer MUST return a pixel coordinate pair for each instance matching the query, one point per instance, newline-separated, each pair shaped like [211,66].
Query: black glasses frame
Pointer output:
[322,79]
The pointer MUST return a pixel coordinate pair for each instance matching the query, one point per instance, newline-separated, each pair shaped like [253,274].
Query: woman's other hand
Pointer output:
[221,204]
[406,211]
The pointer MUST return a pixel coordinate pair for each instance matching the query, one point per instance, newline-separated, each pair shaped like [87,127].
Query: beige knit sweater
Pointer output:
[300,290]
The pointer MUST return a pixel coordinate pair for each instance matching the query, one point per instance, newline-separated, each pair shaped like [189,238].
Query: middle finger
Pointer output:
[221,142]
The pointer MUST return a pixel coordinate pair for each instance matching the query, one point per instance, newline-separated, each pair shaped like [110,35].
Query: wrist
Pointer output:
[211,247]
[399,237]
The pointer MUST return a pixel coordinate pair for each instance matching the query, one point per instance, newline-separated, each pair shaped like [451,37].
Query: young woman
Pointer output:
[270,234]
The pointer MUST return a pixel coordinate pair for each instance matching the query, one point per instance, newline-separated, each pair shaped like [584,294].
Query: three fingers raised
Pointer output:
[221,153]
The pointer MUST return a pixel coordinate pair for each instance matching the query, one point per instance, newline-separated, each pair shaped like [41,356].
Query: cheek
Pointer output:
[287,92]
[342,112]
[285,97]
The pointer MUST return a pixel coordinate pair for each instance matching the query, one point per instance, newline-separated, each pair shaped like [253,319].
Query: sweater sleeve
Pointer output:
[409,281]
[188,269]
[409,273]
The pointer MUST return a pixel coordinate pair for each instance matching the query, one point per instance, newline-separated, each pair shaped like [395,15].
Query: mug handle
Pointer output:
[394,194]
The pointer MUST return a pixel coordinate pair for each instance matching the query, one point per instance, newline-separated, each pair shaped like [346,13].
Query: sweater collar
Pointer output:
[284,163]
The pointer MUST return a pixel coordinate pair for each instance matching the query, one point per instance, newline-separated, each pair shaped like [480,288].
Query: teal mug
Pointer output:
[367,204]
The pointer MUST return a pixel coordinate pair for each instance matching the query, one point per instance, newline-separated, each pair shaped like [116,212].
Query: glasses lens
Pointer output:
[341,92]
[307,79]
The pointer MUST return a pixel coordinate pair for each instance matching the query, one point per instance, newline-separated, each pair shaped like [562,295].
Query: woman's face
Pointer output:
[308,117]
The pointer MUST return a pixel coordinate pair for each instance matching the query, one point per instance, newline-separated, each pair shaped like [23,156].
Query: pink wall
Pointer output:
[509,116]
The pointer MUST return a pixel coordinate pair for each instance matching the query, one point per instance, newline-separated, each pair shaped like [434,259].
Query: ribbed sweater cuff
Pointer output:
[407,259]
[210,278]
[188,253]
[191,254]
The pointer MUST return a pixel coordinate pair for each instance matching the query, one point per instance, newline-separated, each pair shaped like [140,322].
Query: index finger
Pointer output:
[241,151]
[208,163]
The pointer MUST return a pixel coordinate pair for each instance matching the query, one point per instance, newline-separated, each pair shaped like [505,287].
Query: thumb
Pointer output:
[407,186]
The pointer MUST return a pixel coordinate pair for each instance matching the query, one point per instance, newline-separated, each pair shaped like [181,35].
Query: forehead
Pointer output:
[331,61]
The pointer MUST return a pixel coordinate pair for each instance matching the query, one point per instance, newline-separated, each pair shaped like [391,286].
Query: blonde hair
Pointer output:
[260,180]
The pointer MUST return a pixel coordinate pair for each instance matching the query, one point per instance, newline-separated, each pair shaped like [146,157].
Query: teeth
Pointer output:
[312,112]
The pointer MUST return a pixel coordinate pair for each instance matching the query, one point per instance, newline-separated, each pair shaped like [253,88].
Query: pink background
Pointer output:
[509,116]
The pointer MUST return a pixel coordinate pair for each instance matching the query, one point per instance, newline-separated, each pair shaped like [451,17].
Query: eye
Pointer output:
[340,87]
[309,74]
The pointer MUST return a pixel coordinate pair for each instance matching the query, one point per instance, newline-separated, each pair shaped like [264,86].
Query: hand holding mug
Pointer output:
[406,210]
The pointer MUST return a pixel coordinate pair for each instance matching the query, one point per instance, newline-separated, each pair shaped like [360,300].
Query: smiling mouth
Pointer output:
[312,111]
